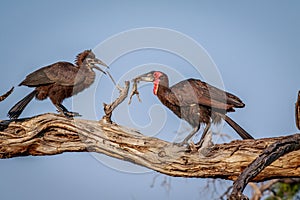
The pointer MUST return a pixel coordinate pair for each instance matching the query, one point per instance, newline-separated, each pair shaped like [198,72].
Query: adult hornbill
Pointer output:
[59,81]
[196,102]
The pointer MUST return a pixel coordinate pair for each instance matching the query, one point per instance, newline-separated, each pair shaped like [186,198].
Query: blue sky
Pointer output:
[254,45]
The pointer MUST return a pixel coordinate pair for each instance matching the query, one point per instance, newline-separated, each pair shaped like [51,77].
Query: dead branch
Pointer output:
[259,190]
[4,96]
[268,156]
[109,108]
[297,111]
[51,134]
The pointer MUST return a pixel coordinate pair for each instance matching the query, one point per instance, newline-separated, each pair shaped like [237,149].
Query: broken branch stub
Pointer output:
[297,111]
[4,96]
[109,108]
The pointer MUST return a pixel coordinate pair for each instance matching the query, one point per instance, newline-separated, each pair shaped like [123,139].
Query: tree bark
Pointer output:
[268,156]
[4,96]
[50,134]
[297,111]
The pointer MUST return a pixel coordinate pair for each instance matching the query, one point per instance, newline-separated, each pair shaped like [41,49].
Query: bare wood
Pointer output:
[258,191]
[51,134]
[4,96]
[266,158]
[109,108]
[297,111]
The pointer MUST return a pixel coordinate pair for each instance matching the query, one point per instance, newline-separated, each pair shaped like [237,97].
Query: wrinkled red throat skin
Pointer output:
[155,88]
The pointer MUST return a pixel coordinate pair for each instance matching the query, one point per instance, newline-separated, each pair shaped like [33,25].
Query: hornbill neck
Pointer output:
[161,87]
[163,94]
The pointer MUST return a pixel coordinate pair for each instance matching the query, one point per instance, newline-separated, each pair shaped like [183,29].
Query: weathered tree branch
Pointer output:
[4,96]
[259,190]
[51,134]
[109,108]
[268,156]
[297,111]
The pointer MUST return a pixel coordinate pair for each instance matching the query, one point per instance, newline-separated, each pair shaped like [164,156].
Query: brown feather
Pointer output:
[58,81]
[198,102]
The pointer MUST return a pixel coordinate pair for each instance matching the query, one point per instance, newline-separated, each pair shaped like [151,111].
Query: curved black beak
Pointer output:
[97,61]
[148,77]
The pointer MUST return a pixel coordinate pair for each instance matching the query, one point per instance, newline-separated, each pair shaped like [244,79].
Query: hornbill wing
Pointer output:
[62,73]
[192,91]
[36,78]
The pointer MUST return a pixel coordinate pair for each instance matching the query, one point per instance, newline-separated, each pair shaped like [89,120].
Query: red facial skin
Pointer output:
[156,82]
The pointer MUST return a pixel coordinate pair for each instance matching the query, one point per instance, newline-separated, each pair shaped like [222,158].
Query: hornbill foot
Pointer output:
[199,144]
[185,146]
[181,144]
[70,114]
[64,111]
[190,146]
[204,143]
[193,147]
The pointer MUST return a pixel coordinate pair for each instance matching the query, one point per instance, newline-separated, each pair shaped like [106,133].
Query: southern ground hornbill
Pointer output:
[195,102]
[59,81]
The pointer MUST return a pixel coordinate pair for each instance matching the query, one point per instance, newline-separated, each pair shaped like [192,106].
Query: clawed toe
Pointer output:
[190,146]
[181,144]
[70,114]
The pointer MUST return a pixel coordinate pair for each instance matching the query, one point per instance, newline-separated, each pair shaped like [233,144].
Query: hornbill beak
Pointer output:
[97,61]
[148,77]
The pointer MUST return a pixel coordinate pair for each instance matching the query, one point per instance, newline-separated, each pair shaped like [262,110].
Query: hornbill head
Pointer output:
[89,59]
[158,78]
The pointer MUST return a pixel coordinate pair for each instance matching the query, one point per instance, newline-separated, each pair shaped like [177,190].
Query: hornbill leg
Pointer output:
[192,133]
[64,111]
[206,129]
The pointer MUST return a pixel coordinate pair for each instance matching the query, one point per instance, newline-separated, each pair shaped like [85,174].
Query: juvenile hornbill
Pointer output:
[195,102]
[59,81]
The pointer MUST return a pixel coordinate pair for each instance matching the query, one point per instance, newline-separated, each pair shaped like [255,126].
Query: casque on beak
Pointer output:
[148,77]
[97,61]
